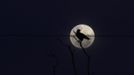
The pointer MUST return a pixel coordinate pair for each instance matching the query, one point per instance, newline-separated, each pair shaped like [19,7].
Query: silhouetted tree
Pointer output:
[80,37]
[72,55]
[54,61]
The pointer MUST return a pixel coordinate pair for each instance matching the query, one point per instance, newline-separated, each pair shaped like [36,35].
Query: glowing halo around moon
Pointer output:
[86,30]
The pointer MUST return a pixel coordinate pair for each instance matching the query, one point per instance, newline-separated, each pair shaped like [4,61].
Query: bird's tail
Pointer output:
[87,38]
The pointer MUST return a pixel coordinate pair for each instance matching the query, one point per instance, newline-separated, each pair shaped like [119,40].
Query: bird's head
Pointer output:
[78,30]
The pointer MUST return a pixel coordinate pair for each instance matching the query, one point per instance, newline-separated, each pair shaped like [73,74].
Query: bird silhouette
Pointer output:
[80,35]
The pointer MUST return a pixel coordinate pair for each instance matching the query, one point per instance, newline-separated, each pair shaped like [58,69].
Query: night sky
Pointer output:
[31,32]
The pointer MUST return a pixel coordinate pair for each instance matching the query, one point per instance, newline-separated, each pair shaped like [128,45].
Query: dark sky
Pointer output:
[29,30]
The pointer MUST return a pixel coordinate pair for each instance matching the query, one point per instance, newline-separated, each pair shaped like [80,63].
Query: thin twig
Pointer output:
[88,58]
[72,56]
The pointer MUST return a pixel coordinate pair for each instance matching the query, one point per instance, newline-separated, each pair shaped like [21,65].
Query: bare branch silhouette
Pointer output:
[72,55]
[55,62]
[80,37]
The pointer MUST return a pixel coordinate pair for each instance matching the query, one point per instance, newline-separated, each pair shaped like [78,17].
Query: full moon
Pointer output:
[85,30]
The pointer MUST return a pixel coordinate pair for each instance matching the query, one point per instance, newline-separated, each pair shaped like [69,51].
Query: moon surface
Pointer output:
[86,30]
